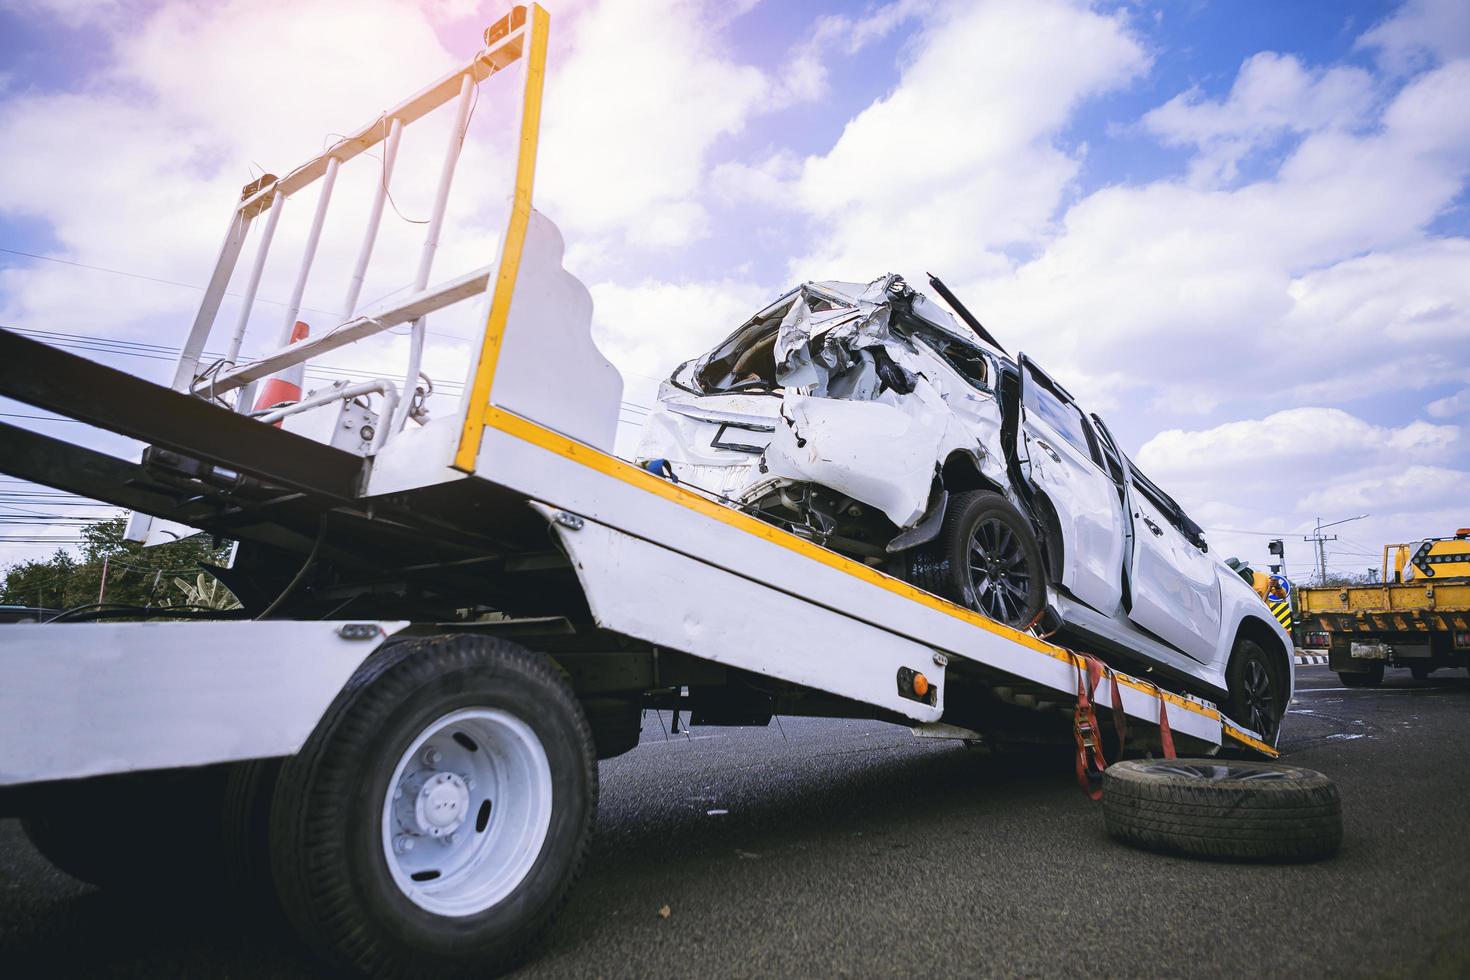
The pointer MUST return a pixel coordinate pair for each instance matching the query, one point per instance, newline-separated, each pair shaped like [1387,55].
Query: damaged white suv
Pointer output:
[866,418]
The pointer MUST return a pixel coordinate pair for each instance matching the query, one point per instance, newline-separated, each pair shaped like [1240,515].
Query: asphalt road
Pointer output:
[826,848]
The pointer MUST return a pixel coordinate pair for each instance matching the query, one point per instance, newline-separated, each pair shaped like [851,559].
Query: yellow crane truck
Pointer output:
[1417,616]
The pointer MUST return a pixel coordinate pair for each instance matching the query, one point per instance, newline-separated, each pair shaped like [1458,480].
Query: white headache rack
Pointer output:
[228,379]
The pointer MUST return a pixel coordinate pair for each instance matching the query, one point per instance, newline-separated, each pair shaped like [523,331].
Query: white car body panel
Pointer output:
[1176,587]
[880,452]
[1090,511]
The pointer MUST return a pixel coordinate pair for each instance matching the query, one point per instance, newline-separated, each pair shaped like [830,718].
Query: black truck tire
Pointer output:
[98,832]
[434,821]
[985,558]
[1223,809]
[245,829]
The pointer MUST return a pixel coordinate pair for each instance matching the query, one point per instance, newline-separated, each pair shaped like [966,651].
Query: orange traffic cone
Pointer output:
[284,387]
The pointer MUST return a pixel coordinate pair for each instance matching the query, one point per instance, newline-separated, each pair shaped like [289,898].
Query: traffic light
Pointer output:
[1275,547]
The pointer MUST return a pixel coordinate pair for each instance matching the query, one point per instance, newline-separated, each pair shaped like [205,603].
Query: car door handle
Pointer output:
[1049,451]
[1158,532]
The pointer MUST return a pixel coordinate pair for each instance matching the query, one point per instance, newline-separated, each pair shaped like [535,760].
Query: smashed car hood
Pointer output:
[856,406]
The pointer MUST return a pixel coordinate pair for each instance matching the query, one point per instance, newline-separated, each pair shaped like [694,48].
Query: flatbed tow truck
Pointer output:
[446,621]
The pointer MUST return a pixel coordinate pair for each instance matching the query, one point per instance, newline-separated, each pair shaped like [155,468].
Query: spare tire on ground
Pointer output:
[1223,809]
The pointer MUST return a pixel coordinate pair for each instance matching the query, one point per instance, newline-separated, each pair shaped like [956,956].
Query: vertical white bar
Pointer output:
[431,243]
[224,267]
[278,202]
[293,309]
[375,217]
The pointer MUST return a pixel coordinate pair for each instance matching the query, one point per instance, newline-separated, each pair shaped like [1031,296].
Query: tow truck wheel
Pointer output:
[1257,694]
[435,820]
[1420,672]
[985,557]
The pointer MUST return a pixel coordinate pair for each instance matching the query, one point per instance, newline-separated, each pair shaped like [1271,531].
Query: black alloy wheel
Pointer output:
[1000,575]
[985,558]
[1257,697]
[1260,699]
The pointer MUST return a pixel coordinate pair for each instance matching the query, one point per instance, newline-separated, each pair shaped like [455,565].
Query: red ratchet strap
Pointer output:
[1165,735]
[1084,720]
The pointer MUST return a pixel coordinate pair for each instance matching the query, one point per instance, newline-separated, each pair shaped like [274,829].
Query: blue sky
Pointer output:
[1238,230]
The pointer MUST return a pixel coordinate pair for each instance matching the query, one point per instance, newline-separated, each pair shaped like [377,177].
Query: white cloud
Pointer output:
[1273,95]
[805,70]
[769,182]
[72,13]
[1195,294]
[1251,479]
[650,327]
[1415,487]
[961,157]
[637,100]
[1421,31]
[1291,434]
[1451,405]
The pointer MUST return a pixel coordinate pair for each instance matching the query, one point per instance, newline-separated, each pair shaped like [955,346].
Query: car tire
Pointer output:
[435,819]
[1257,691]
[986,558]
[1420,673]
[1371,677]
[1223,809]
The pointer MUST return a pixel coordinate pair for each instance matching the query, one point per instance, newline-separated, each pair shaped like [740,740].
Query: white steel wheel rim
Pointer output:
[467,811]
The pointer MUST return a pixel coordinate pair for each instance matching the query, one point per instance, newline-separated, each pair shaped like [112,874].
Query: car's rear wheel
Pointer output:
[1257,691]
[985,557]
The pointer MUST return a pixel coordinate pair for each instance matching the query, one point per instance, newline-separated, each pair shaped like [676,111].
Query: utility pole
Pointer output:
[1320,540]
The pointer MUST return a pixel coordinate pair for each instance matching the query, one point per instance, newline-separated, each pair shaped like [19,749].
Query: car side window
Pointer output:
[1057,413]
[967,363]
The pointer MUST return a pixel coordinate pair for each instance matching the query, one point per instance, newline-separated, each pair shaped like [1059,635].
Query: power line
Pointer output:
[39,418]
[1236,530]
[139,275]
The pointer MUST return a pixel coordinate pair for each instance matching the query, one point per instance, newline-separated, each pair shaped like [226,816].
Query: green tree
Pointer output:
[134,575]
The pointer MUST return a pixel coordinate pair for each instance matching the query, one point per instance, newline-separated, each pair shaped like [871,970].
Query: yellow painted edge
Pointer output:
[1248,740]
[520,428]
[478,396]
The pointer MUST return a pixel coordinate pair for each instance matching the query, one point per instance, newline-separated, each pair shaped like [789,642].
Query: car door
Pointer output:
[1058,457]
[1174,584]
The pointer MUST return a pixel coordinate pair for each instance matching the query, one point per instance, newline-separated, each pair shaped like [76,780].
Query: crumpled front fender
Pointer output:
[882,453]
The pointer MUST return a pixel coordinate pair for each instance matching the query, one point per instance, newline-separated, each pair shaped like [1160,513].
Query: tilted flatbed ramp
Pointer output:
[502,544]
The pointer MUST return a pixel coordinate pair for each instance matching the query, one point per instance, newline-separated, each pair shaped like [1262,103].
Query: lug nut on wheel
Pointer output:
[402,844]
